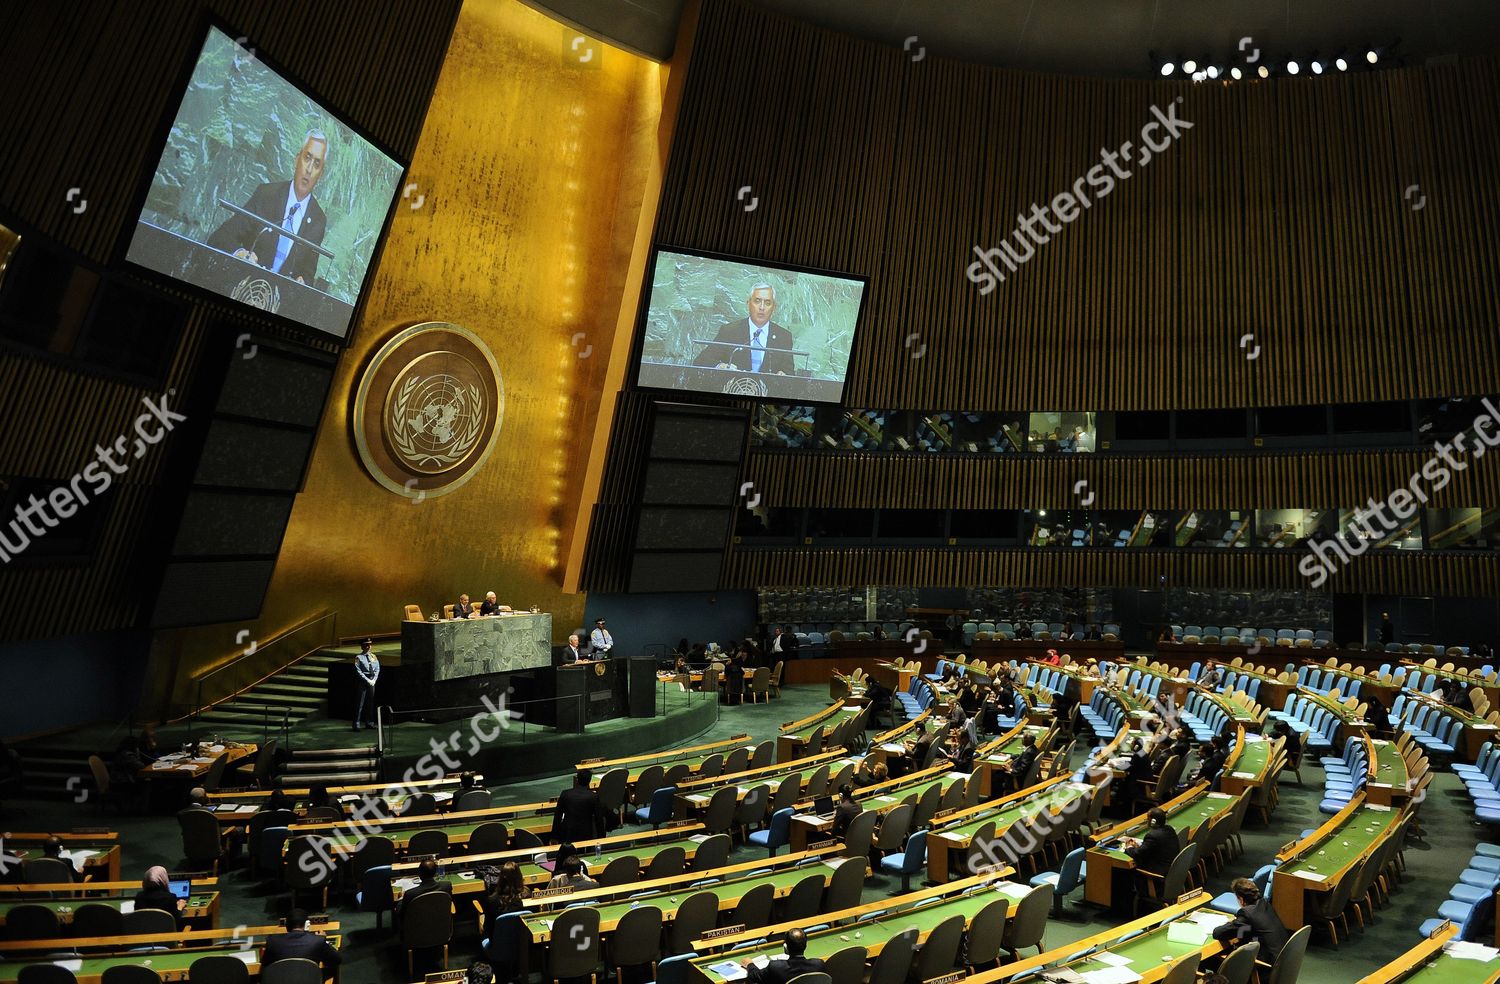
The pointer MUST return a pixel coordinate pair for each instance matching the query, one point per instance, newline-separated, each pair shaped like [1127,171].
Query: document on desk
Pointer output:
[1460,950]
[729,970]
[1111,975]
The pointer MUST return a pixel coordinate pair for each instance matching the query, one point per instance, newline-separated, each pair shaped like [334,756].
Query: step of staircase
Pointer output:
[56,773]
[331,766]
[293,702]
[278,685]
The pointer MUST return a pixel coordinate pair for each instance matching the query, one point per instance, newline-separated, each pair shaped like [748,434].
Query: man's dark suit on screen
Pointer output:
[269,202]
[732,345]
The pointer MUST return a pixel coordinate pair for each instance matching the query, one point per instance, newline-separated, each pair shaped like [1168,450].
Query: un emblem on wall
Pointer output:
[428,409]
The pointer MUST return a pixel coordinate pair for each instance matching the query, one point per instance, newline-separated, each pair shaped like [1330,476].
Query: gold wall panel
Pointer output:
[530,169]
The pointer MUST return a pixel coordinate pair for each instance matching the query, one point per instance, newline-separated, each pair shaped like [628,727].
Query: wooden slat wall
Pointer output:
[1281,213]
[1312,480]
[1408,574]
[87,85]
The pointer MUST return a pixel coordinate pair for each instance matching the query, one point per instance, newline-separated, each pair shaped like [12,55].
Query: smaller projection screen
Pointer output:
[263,195]
[737,326]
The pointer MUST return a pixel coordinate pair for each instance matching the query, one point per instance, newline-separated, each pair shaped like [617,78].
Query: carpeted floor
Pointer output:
[371,955]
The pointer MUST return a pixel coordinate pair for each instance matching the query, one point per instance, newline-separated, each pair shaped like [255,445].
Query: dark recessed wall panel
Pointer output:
[248,456]
[203,593]
[232,523]
[690,483]
[678,529]
[675,571]
[270,385]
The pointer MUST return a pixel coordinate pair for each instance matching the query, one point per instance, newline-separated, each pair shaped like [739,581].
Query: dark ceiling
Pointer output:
[1092,37]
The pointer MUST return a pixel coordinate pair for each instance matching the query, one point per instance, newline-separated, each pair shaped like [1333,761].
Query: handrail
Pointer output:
[198,706]
[205,674]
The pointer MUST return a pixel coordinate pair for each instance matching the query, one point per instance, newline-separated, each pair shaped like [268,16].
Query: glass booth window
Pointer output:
[1206,529]
[1057,527]
[1282,528]
[1066,432]
[1121,528]
[1463,529]
[857,430]
[783,426]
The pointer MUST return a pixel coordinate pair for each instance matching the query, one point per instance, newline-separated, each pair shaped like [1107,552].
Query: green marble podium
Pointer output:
[469,647]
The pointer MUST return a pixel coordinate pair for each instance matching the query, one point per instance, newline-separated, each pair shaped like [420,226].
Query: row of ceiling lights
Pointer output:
[1209,72]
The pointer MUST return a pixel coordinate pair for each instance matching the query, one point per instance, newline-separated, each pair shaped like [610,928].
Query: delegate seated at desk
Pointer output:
[300,943]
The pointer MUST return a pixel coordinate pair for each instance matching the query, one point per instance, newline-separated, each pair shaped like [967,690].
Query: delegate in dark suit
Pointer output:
[578,815]
[732,345]
[295,943]
[779,971]
[1156,850]
[269,202]
[1258,922]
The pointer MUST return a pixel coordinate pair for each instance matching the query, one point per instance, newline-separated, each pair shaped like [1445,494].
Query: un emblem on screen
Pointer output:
[745,386]
[428,409]
[257,293]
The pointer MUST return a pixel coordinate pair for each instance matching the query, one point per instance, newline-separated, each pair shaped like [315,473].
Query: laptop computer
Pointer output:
[823,804]
[180,887]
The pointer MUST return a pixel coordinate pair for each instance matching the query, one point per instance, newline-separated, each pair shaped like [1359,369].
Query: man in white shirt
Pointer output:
[600,640]
[367,669]
[284,205]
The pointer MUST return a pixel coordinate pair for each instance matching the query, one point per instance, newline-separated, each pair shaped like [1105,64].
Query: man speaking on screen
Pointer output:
[755,343]
[289,205]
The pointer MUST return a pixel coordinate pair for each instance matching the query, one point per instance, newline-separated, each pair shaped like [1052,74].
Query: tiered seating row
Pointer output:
[1483,782]
[1315,725]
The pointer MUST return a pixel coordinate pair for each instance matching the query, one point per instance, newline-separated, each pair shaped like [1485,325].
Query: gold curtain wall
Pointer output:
[1283,213]
[531,166]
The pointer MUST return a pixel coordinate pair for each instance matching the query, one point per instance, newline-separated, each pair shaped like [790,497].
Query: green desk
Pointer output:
[1249,769]
[1323,858]
[728,893]
[946,844]
[534,874]
[872,934]
[201,908]
[1104,862]
[1153,950]
[1387,787]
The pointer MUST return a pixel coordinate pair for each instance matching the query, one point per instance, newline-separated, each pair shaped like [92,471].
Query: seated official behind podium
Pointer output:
[491,605]
[1158,849]
[299,942]
[600,641]
[571,653]
[463,609]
